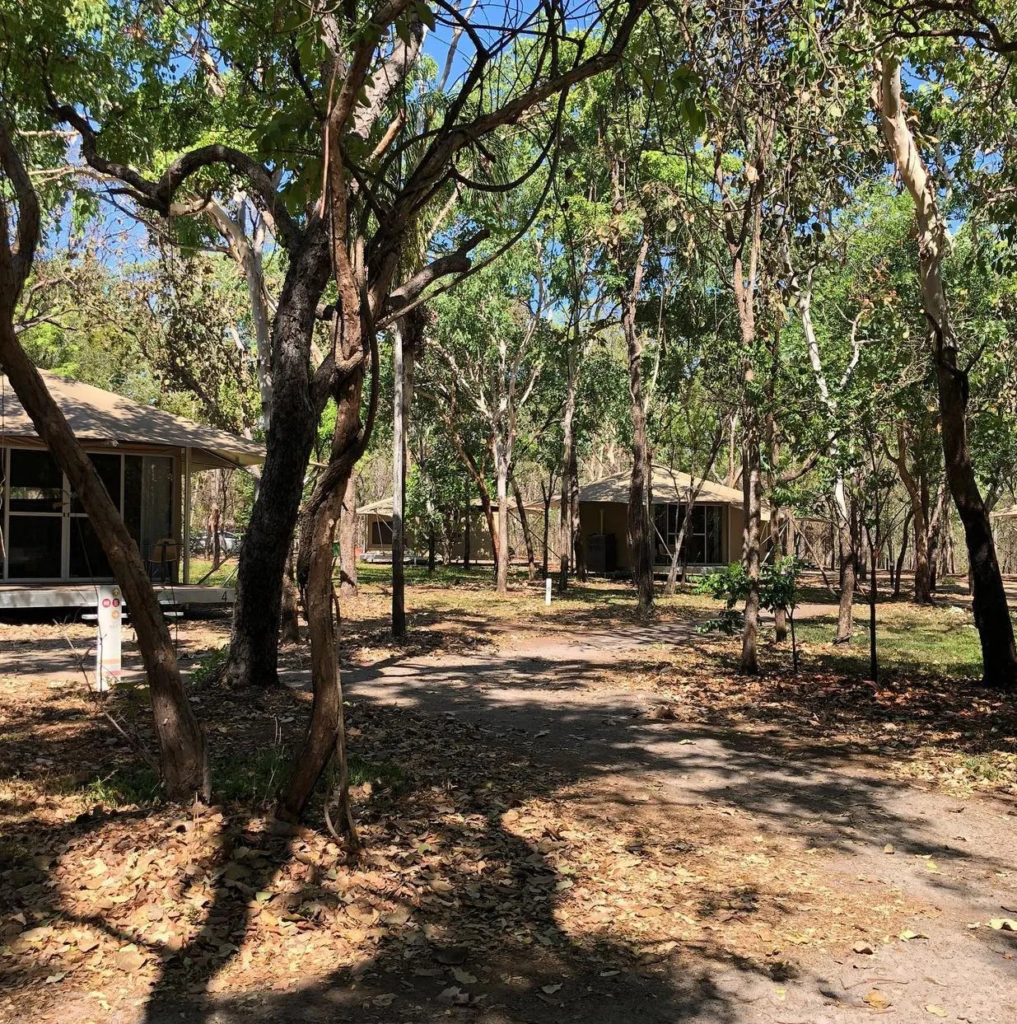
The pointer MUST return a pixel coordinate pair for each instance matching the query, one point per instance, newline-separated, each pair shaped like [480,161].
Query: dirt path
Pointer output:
[954,856]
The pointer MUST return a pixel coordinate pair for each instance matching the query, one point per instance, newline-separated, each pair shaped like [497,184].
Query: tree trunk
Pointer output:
[349,585]
[905,530]
[398,481]
[576,541]
[323,728]
[466,531]
[502,469]
[848,577]
[290,629]
[547,524]
[253,658]
[531,561]
[214,533]
[752,487]
[567,511]
[639,536]
[777,519]
[181,743]
[918,497]
[991,612]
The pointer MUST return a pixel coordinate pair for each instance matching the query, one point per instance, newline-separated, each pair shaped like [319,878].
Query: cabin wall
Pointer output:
[611,519]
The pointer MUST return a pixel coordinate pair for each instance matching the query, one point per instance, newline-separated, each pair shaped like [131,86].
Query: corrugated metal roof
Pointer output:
[107,419]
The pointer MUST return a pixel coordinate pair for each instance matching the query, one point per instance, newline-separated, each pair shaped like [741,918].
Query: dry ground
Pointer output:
[568,814]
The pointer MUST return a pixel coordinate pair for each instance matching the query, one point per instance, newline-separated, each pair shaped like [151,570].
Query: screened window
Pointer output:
[704,539]
[381,532]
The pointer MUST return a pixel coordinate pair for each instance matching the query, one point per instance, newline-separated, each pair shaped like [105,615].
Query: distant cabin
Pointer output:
[145,458]
[714,537]
[376,535]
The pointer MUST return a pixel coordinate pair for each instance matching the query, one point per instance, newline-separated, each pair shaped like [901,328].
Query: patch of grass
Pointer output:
[208,668]
[244,778]
[128,785]
[222,577]
[938,642]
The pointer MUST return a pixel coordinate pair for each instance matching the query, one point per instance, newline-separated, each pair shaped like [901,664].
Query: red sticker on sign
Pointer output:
[116,602]
[105,602]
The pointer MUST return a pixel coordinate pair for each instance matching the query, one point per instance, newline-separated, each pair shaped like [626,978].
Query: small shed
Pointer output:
[145,457]
[714,537]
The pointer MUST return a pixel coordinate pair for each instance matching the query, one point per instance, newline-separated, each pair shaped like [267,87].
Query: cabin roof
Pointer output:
[669,487]
[107,419]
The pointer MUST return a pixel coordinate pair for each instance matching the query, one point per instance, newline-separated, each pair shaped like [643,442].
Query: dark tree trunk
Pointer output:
[399,404]
[254,637]
[905,529]
[991,611]
[531,561]
[290,630]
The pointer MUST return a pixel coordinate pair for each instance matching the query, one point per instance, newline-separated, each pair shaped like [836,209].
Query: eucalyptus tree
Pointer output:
[775,110]
[915,167]
[489,338]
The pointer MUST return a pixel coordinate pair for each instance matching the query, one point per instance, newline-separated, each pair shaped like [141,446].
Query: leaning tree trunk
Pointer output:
[991,612]
[181,743]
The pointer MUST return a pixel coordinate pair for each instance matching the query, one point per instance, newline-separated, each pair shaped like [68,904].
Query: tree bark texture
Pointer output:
[640,538]
[253,659]
[989,603]
[348,527]
[399,405]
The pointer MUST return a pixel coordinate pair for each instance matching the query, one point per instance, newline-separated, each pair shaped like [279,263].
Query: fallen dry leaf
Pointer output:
[876,999]
[936,1011]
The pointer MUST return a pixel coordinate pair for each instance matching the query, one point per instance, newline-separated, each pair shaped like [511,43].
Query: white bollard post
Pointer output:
[109,615]
[547,590]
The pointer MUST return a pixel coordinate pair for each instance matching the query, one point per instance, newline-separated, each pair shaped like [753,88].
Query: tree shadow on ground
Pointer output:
[452,888]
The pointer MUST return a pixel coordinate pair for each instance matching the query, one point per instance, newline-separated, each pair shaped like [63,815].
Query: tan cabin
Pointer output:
[715,537]
[145,457]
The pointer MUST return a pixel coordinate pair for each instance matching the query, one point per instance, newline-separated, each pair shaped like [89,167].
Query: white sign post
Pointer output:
[109,615]
[547,590]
